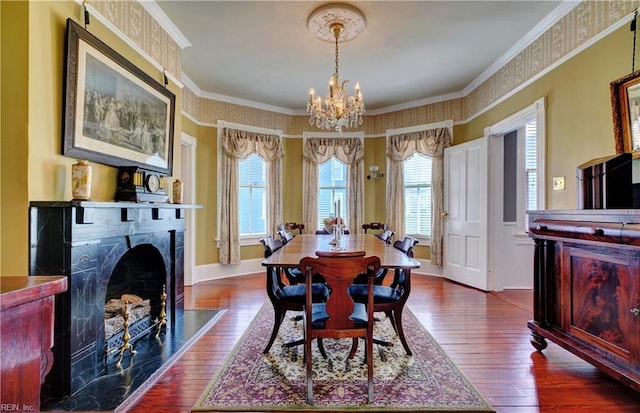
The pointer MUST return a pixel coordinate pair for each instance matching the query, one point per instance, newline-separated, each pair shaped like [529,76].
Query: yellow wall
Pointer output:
[579,120]
[206,195]
[14,146]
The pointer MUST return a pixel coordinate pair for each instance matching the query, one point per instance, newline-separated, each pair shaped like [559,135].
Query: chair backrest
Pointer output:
[271,245]
[406,245]
[338,270]
[386,236]
[274,281]
[374,225]
[292,226]
[285,236]
[402,277]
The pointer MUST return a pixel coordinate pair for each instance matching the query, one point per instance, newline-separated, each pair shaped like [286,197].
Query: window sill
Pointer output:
[247,241]
[422,241]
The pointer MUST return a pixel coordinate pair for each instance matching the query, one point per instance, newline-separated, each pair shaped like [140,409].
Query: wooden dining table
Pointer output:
[306,245]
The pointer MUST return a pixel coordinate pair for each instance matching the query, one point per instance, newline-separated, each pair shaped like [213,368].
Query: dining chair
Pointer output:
[292,226]
[285,235]
[374,226]
[386,235]
[391,299]
[340,316]
[285,297]
[293,274]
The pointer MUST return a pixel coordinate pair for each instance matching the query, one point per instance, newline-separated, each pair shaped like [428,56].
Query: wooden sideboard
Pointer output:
[587,287]
[26,334]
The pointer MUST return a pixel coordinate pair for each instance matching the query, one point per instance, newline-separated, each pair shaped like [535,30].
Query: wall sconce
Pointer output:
[374,174]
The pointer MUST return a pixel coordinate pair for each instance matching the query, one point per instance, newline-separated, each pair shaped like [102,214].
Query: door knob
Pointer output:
[445,215]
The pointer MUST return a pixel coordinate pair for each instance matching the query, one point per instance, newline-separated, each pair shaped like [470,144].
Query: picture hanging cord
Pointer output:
[633,29]
[86,13]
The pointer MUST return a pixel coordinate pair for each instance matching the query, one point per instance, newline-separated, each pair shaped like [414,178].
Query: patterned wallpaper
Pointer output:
[585,21]
[143,30]
[579,26]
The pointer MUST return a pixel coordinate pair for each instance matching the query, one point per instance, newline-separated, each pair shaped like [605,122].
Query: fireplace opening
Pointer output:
[136,286]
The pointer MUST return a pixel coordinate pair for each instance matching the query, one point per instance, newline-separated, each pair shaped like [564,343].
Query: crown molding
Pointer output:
[165,22]
[609,30]
[558,13]
[186,80]
[416,103]
[419,128]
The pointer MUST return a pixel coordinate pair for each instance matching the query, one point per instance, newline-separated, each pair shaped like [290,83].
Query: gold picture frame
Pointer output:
[625,105]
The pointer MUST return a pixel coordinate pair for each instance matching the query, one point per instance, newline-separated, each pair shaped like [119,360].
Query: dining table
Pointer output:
[306,245]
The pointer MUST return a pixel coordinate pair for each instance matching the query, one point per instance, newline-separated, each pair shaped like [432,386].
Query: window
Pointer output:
[417,195]
[332,186]
[531,166]
[252,188]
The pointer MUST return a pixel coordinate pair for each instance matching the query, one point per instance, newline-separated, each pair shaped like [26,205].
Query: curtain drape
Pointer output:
[318,150]
[239,144]
[400,147]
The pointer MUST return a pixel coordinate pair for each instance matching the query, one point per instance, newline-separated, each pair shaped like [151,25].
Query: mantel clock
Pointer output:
[135,184]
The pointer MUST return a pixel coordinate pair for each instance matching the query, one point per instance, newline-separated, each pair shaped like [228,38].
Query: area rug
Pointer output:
[252,382]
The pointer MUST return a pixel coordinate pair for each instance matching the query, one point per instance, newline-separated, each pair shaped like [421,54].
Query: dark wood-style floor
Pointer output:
[485,334]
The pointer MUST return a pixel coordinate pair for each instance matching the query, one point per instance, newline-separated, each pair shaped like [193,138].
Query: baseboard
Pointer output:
[426,268]
[216,271]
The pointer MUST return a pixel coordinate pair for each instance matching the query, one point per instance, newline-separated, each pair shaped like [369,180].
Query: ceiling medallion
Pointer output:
[334,22]
[322,19]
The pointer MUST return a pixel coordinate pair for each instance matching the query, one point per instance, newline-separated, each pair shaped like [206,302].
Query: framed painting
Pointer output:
[625,104]
[114,113]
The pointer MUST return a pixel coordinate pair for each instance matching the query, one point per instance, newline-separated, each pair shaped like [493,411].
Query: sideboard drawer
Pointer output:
[586,230]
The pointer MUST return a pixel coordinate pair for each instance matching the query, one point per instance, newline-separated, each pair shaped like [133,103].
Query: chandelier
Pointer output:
[338,110]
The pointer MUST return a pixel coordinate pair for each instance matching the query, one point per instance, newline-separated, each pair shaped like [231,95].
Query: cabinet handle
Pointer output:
[635,311]
[597,231]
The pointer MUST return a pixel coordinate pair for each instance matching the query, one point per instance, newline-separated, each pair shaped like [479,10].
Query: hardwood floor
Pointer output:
[485,334]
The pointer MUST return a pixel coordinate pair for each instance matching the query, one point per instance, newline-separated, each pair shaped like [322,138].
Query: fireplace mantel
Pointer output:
[85,241]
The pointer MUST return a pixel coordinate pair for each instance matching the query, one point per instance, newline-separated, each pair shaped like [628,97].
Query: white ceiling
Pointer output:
[411,52]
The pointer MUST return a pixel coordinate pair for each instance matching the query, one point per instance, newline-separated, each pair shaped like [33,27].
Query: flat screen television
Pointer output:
[606,183]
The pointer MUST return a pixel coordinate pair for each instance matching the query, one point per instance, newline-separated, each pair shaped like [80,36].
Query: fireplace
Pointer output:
[136,286]
[107,250]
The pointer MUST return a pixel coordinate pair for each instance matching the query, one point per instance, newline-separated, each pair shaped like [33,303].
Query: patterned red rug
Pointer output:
[427,381]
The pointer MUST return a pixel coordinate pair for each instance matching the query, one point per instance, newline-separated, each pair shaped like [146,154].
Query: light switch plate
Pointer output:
[558,183]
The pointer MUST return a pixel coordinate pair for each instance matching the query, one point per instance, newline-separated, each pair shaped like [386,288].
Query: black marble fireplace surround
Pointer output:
[105,249]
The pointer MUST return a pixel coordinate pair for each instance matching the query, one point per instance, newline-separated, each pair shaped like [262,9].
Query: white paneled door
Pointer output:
[466,213]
